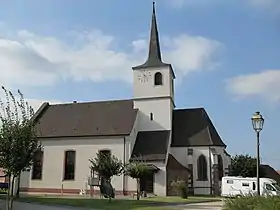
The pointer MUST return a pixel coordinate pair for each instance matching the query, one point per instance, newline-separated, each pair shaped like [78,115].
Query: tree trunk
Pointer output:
[8,194]
[138,188]
[12,194]
[18,187]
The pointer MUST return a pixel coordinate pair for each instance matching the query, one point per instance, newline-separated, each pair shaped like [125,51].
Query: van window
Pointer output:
[230,181]
[254,185]
[269,187]
[245,184]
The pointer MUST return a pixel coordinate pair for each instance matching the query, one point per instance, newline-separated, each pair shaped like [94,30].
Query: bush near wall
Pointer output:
[253,203]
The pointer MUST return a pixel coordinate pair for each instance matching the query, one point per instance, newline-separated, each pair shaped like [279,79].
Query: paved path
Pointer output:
[204,206]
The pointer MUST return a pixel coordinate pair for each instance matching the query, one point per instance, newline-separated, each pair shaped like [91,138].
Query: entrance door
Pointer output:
[147,183]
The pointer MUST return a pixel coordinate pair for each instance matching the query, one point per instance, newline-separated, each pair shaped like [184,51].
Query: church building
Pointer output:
[176,143]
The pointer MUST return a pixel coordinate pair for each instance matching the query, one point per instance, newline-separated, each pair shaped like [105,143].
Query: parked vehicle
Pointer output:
[233,186]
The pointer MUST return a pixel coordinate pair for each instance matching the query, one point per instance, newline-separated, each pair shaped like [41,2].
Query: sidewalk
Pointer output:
[204,206]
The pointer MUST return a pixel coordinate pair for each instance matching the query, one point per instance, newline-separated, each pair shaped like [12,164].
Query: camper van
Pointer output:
[237,186]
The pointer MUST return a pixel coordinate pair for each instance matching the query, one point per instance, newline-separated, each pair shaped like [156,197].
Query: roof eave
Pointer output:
[39,112]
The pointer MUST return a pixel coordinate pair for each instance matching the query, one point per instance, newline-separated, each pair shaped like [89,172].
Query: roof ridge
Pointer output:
[209,134]
[90,102]
[192,108]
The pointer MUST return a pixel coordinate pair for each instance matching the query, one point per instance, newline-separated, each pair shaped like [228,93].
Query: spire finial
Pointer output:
[154,8]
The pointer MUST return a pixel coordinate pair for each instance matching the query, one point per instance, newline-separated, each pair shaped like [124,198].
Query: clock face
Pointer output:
[144,76]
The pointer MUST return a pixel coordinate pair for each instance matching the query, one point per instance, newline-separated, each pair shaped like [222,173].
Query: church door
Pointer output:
[147,183]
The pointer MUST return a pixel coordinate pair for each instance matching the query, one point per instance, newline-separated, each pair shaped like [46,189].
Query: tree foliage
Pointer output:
[245,166]
[18,140]
[137,170]
[107,165]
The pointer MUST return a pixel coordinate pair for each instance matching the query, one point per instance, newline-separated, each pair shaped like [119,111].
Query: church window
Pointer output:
[105,153]
[151,116]
[220,167]
[190,151]
[69,165]
[202,168]
[158,78]
[37,165]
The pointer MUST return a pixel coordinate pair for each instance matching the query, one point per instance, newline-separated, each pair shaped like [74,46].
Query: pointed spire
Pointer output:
[154,56]
[154,47]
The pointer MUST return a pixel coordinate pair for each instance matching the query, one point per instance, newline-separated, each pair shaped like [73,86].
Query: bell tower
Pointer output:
[153,84]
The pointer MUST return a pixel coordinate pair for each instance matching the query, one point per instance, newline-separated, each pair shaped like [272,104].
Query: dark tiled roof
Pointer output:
[151,145]
[270,172]
[86,119]
[174,164]
[193,127]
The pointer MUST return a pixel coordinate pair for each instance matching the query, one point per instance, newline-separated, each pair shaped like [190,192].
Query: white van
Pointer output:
[233,186]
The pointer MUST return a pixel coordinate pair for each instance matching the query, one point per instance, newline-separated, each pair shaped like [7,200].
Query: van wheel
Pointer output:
[238,196]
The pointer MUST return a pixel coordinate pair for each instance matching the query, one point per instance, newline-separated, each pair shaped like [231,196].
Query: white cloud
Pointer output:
[264,84]
[192,53]
[34,103]
[32,60]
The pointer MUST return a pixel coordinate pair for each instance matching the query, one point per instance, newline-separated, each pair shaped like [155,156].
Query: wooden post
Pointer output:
[62,189]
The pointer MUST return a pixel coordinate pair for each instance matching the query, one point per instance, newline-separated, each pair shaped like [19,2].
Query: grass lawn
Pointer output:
[155,203]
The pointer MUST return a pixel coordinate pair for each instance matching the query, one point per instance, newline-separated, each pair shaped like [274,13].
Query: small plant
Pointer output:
[180,187]
[252,202]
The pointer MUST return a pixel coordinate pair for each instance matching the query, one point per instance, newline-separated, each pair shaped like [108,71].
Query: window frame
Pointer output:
[158,79]
[40,165]
[66,176]
[202,168]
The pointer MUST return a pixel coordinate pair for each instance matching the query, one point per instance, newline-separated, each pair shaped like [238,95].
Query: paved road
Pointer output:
[204,206]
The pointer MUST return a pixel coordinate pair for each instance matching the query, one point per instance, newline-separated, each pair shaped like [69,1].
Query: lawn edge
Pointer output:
[22,200]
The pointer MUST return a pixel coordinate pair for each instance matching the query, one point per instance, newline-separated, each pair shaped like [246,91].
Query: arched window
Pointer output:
[202,168]
[220,167]
[158,78]
[69,164]
[105,152]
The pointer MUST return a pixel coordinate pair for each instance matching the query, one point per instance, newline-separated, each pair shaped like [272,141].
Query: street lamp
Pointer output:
[257,122]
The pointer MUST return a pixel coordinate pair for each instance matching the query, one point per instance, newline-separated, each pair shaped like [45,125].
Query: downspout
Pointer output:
[124,162]
[210,172]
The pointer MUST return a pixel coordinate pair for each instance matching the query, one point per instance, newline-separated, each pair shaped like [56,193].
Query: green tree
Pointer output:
[18,140]
[107,166]
[137,170]
[245,166]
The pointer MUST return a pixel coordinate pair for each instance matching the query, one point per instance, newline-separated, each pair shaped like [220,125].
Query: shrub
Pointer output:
[180,187]
[184,191]
[253,203]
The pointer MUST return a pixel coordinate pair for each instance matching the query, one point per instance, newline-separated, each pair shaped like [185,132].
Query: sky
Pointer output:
[225,54]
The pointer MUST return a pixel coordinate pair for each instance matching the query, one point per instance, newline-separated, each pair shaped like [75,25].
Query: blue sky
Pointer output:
[225,55]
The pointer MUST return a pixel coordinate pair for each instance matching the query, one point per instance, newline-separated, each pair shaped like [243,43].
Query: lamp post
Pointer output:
[257,122]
